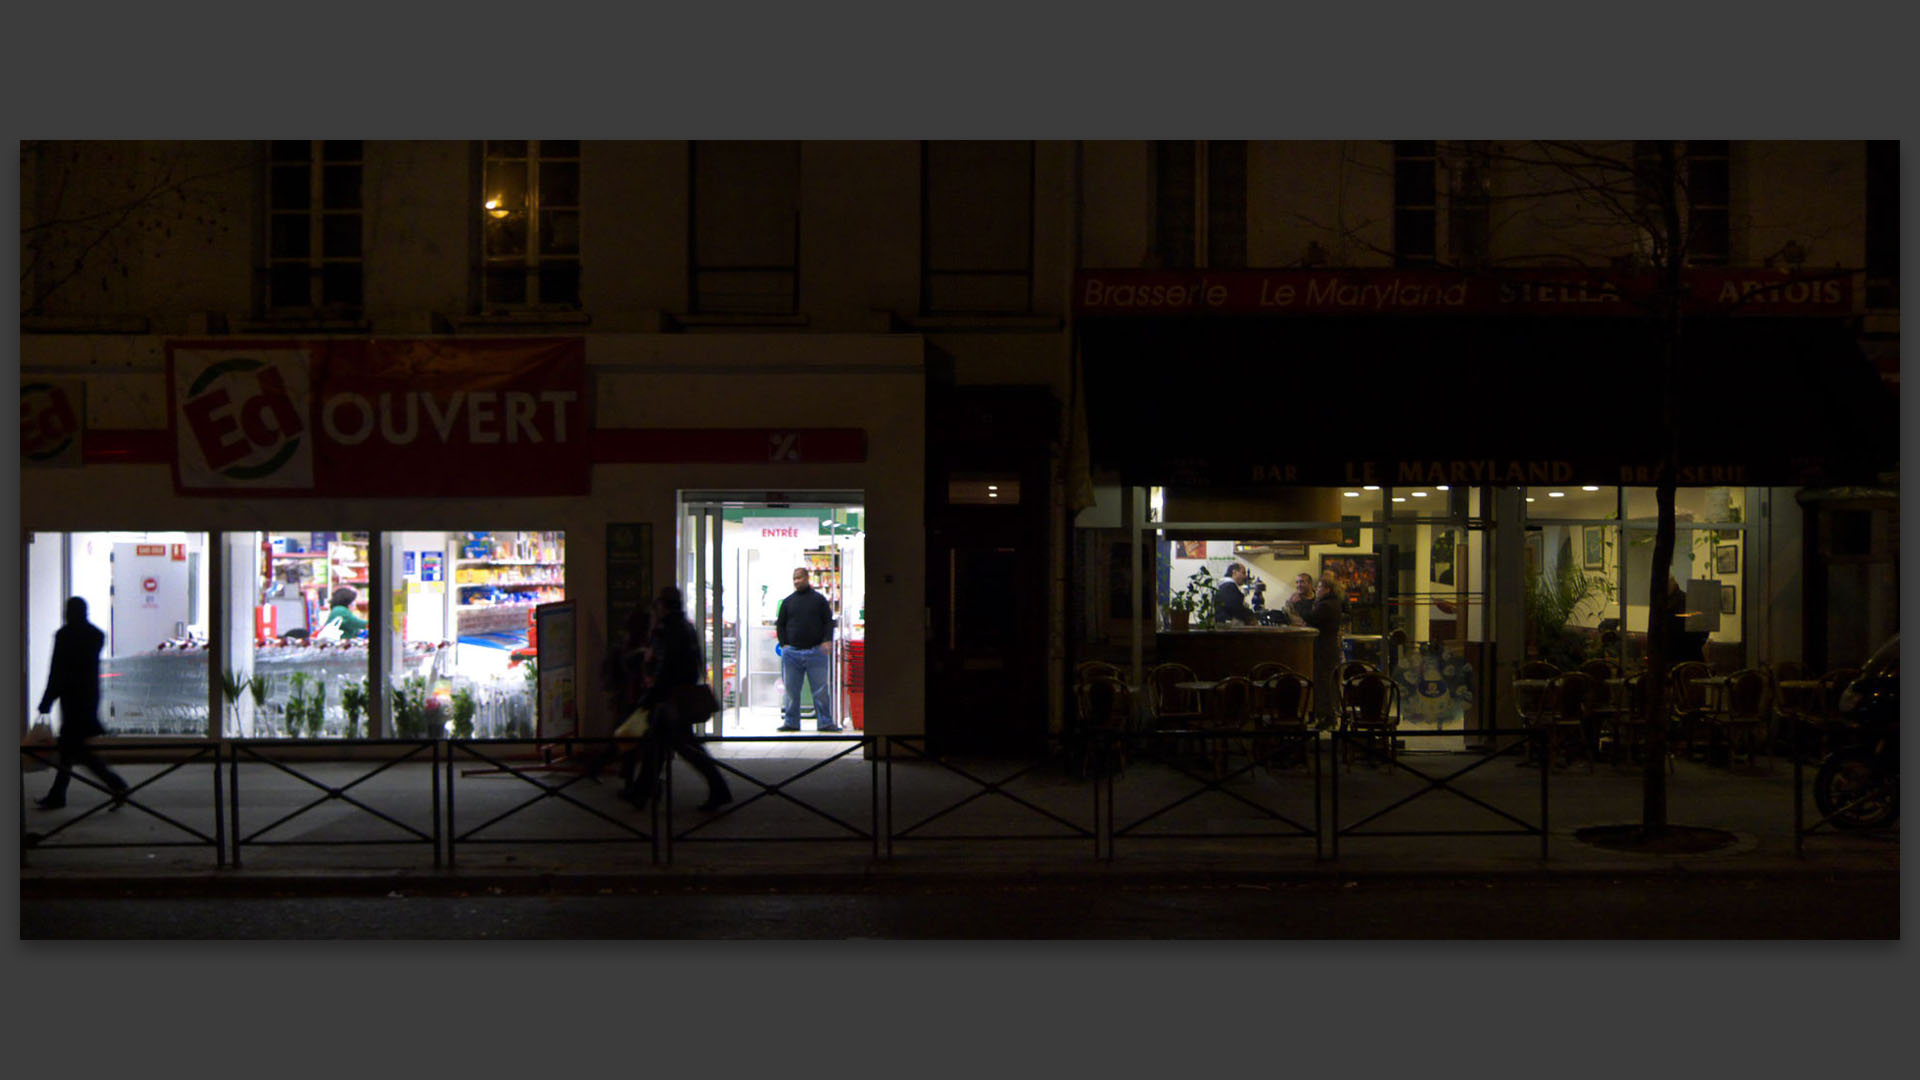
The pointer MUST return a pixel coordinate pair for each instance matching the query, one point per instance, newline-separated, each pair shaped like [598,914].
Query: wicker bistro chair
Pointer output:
[1605,701]
[1228,708]
[1370,714]
[1087,669]
[1745,721]
[1106,715]
[1267,669]
[1563,715]
[1285,704]
[1805,712]
[1342,673]
[1628,726]
[1172,707]
[1687,703]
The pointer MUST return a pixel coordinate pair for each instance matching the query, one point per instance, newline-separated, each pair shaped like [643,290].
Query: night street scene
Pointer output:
[882,540]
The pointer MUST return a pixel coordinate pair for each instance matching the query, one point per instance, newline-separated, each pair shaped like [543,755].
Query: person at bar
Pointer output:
[1229,603]
[1325,617]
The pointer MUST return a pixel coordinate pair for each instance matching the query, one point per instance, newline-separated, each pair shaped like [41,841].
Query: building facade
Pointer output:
[975,385]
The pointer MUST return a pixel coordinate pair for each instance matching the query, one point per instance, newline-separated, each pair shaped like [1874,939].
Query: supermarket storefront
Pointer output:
[233,510]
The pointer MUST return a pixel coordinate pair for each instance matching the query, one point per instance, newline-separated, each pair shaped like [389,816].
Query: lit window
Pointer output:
[529,211]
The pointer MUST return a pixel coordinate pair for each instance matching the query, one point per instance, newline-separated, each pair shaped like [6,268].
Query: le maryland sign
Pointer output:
[376,418]
[1567,291]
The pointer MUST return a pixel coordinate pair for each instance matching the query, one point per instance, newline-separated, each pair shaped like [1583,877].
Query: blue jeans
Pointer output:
[814,664]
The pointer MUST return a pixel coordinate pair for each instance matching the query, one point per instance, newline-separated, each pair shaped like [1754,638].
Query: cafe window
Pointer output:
[315,228]
[745,224]
[530,224]
[977,227]
[148,593]
[300,639]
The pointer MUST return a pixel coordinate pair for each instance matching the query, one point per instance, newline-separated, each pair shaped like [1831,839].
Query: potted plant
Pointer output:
[464,707]
[259,686]
[1553,597]
[353,699]
[231,687]
[410,707]
[294,713]
[1193,604]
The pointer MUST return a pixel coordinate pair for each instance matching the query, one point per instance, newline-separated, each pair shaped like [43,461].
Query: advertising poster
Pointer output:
[554,630]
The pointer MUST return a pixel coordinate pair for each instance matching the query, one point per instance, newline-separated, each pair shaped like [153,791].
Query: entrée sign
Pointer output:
[1567,291]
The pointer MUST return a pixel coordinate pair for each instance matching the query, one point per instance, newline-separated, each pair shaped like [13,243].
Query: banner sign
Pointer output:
[1558,291]
[556,701]
[374,418]
[53,419]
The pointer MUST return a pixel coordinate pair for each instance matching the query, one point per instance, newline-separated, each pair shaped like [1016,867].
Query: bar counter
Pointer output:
[1218,653]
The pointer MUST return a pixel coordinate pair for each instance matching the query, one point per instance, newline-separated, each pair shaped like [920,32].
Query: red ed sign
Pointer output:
[52,417]
[380,418]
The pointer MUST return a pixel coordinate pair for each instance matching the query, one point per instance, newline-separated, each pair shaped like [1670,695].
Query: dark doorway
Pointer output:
[988,492]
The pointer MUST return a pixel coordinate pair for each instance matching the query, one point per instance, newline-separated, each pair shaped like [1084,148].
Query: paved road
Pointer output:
[1631,908]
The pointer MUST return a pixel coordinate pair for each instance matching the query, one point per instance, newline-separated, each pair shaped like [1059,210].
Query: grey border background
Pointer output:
[1502,69]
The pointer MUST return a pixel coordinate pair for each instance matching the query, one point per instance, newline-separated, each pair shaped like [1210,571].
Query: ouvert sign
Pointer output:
[382,417]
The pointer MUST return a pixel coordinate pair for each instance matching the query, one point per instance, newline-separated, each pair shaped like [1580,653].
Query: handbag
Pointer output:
[696,703]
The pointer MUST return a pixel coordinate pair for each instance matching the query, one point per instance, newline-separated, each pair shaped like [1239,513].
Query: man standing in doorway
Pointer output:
[804,629]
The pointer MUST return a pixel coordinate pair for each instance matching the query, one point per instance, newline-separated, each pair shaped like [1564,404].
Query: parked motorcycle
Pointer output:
[1858,785]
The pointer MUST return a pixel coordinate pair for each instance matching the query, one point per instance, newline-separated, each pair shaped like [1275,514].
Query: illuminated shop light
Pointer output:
[1370,487]
[1590,487]
[1399,498]
[1529,498]
[1351,494]
[1440,487]
[1556,494]
[1418,494]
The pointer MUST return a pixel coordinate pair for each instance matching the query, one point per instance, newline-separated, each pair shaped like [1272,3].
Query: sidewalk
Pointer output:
[845,822]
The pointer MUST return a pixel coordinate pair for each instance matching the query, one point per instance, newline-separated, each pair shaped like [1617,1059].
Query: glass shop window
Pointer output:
[463,605]
[301,635]
[148,594]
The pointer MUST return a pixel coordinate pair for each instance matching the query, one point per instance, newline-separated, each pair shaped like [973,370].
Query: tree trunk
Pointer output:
[1672,261]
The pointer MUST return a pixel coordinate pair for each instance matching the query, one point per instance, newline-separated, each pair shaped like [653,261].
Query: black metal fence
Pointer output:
[1092,794]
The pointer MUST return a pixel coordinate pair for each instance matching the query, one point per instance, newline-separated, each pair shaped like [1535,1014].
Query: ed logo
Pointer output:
[49,422]
[246,422]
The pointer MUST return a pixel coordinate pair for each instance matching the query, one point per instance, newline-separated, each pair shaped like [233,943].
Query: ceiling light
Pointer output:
[993,487]
[1399,498]
[1351,494]
[1419,494]
[1529,498]
[1370,487]
[1589,487]
[1556,494]
[1439,487]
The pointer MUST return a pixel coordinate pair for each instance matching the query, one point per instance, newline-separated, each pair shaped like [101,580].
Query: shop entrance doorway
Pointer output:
[735,554]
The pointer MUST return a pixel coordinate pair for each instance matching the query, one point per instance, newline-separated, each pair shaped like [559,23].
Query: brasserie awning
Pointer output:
[1254,402]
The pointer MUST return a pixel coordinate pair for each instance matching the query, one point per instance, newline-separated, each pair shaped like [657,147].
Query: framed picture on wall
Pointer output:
[1726,559]
[1358,574]
[1440,558]
[1728,600]
[1191,549]
[1593,547]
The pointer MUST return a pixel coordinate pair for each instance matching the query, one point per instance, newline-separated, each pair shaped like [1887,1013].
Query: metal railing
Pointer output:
[551,756]
[777,790]
[1267,750]
[262,751]
[191,752]
[898,748]
[1535,739]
